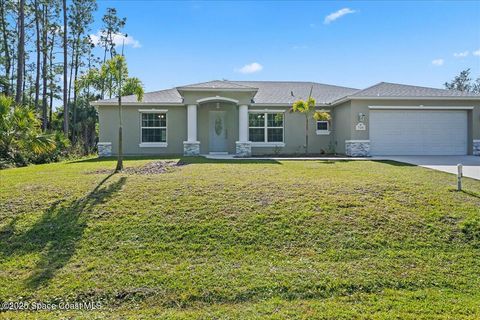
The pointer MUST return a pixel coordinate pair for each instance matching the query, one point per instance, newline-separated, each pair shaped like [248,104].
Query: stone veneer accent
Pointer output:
[191,148]
[476,147]
[357,148]
[243,149]
[104,149]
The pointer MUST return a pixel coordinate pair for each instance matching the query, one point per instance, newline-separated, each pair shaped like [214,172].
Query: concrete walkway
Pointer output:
[471,164]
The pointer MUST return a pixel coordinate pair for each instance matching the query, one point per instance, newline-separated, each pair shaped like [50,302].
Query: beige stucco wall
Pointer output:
[362,106]
[294,126]
[342,130]
[108,127]
[294,134]
[344,120]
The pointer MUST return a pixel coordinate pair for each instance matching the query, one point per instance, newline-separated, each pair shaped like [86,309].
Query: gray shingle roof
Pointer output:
[217,84]
[386,89]
[287,92]
[161,96]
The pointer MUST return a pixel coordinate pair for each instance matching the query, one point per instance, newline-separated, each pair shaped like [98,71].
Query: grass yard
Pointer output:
[241,239]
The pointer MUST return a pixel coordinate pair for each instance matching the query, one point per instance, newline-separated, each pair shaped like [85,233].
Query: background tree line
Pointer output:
[49,72]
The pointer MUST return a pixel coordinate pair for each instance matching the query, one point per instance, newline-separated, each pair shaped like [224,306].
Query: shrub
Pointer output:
[60,151]
[21,140]
[322,116]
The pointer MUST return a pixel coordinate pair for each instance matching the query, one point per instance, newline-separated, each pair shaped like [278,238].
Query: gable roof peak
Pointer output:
[216,84]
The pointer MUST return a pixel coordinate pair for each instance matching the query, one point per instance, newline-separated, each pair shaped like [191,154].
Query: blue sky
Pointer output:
[423,43]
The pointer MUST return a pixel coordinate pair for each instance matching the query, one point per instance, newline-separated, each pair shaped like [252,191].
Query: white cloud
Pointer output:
[476,53]
[299,47]
[461,54]
[438,62]
[117,39]
[337,14]
[250,68]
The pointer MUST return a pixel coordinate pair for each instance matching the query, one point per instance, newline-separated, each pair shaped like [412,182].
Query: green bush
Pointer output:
[59,152]
[21,139]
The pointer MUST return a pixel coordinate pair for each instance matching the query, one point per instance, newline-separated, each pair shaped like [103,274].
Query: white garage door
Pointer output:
[418,132]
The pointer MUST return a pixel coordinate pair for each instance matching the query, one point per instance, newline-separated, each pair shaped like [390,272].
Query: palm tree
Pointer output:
[20,134]
[307,108]
[117,69]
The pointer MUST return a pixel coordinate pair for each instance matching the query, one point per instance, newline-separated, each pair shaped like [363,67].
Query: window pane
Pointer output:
[154,135]
[145,119]
[256,119]
[162,119]
[322,125]
[163,135]
[154,119]
[275,135]
[257,135]
[275,120]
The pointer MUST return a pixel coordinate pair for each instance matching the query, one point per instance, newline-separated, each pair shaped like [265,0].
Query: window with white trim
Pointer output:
[154,127]
[266,127]
[323,127]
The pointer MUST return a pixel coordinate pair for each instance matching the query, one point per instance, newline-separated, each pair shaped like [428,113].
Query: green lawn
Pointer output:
[241,239]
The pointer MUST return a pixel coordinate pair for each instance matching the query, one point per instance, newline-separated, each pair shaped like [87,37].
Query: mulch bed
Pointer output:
[154,167]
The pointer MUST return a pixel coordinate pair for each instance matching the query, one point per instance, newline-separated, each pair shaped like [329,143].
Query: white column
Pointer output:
[192,123]
[243,123]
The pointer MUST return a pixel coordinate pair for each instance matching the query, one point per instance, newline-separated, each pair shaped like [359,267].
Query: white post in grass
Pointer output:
[459,176]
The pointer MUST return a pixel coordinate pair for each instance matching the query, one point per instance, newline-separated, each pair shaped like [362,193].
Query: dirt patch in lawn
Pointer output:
[154,167]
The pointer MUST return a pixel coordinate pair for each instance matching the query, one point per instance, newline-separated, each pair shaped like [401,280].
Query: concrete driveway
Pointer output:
[471,164]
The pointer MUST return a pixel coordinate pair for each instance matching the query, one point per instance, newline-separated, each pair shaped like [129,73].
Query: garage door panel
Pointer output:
[408,132]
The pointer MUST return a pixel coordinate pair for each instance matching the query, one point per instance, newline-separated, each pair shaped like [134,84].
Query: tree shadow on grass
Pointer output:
[203,160]
[56,234]
[471,193]
[395,163]
[125,158]
[181,159]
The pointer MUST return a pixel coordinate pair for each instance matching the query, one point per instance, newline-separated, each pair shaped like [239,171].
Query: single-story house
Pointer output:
[254,118]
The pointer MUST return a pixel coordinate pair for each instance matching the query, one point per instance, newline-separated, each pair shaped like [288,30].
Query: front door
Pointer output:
[218,131]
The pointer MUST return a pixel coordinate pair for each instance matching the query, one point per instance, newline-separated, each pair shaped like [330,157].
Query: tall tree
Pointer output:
[45,67]
[81,16]
[463,82]
[112,26]
[51,76]
[134,87]
[5,46]
[117,69]
[38,40]
[65,69]
[20,52]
